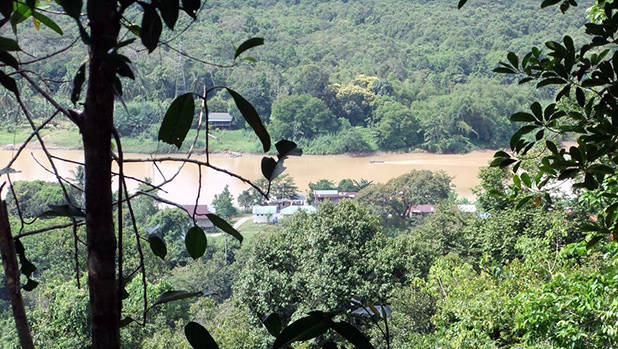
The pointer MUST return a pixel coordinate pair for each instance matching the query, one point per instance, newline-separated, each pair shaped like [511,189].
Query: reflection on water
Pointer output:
[309,168]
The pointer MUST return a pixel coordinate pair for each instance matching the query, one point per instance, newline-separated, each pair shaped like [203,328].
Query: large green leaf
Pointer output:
[48,22]
[73,8]
[253,42]
[223,225]
[157,245]
[7,44]
[198,336]
[272,168]
[169,12]
[6,8]
[78,82]
[8,83]
[195,241]
[252,117]
[170,296]
[151,27]
[9,60]
[311,326]
[63,211]
[285,148]
[272,322]
[177,120]
[191,7]
[352,334]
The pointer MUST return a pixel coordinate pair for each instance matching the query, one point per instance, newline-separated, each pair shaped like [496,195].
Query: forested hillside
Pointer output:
[337,76]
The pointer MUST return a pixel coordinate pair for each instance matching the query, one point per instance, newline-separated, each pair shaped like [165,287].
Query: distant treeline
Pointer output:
[338,76]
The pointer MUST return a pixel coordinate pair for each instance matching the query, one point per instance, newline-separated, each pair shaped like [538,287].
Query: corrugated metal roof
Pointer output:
[264,209]
[425,208]
[219,117]
[202,210]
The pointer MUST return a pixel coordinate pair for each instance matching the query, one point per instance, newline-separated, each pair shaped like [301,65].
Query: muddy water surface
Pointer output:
[309,168]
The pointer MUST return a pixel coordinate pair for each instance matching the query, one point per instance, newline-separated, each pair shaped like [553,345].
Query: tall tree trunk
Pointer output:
[12,274]
[96,132]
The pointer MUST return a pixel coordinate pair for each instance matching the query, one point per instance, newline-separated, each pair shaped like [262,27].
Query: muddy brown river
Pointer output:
[380,167]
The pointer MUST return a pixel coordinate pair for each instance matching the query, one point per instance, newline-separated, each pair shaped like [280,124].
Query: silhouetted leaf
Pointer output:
[78,82]
[549,3]
[461,3]
[195,241]
[272,322]
[6,8]
[191,7]
[7,44]
[177,120]
[253,42]
[523,117]
[169,11]
[311,326]
[272,168]
[352,334]
[125,321]
[157,245]
[151,28]
[581,98]
[252,117]
[8,83]
[73,8]
[27,268]
[30,285]
[8,170]
[63,211]
[9,60]
[198,336]
[287,148]
[170,296]
[223,225]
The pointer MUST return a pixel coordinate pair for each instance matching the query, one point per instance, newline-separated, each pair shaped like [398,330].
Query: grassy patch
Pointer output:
[255,228]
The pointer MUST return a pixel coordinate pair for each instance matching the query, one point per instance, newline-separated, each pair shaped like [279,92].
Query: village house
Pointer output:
[421,210]
[296,200]
[220,120]
[334,196]
[200,215]
[264,214]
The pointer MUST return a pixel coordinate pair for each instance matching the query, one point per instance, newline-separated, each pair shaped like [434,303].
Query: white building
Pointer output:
[264,214]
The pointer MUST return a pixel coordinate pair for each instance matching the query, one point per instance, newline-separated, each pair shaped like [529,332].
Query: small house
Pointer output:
[334,196]
[421,210]
[200,215]
[220,120]
[264,214]
[296,200]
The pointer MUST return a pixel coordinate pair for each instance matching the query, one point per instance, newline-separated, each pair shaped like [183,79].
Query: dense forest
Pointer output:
[511,277]
[336,76]
[531,263]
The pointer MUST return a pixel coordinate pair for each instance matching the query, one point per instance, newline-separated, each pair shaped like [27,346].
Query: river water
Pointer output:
[380,167]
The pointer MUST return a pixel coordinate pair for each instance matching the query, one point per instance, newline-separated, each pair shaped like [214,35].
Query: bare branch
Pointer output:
[25,143]
[46,229]
[51,54]
[58,178]
[202,163]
